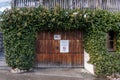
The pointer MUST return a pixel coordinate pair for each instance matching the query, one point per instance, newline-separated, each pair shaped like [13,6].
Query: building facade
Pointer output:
[64,49]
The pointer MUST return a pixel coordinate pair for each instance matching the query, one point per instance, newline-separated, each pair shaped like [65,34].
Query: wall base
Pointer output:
[87,65]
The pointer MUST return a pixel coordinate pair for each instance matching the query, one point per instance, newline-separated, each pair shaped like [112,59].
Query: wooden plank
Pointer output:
[67,59]
[48,49]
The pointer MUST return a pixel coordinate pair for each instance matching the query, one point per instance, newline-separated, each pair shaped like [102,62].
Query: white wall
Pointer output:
[87,65]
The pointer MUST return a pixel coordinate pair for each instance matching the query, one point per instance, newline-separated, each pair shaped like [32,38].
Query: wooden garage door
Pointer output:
[60,49]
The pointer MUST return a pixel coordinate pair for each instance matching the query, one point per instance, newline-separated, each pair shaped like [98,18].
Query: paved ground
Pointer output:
[45,74]
[49,74]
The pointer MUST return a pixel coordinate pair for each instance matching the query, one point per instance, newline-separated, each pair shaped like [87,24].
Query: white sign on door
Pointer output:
[64,46]
[57,37]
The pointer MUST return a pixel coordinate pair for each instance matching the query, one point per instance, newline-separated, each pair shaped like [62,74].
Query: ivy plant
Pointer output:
[20,28]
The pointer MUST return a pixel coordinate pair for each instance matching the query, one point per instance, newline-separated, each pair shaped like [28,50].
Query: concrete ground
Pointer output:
[49,74]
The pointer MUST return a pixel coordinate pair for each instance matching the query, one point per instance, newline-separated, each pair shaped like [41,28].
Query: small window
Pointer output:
[111,41]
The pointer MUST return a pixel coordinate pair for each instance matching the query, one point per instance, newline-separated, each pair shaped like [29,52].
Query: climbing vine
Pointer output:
[20,26]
